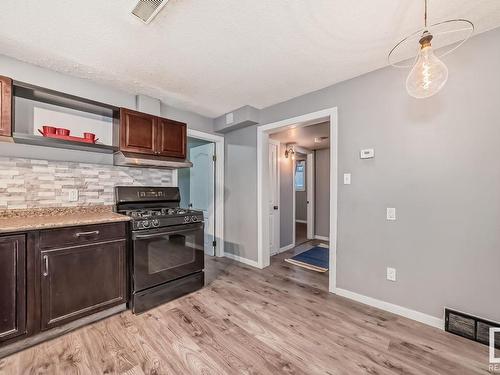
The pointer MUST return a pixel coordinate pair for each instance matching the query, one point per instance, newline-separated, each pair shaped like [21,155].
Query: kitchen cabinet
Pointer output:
[146,134]
[85,276]
[12,287]
[172,140]
[138,132]
[5,106]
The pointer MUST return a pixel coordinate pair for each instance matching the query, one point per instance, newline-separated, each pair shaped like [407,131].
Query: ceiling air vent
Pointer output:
[146,10]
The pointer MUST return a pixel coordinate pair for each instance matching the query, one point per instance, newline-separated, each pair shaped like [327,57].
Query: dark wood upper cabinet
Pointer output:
[5,106]
[81,280]
[12,287]
[137,132]
[172,138]
[151,135]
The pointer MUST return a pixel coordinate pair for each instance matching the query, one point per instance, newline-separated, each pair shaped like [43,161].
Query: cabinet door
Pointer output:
[80,281]
[5,106]
[137,132]
[12,287]
[172,138]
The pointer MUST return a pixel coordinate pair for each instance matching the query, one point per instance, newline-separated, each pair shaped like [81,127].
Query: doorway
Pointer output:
[263,176]
[202,186]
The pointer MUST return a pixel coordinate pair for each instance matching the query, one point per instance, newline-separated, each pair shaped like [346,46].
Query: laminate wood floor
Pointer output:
[280,320]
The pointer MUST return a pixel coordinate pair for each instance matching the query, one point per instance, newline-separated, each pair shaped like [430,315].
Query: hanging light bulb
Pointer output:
[429,74]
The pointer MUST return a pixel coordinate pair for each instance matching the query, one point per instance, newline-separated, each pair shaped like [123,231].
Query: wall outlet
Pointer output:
[347,178]
[391,213]
[73,195]
[391,274]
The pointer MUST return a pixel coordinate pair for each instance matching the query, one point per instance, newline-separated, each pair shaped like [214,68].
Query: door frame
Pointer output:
[219,184]
[263,133]
[278,200]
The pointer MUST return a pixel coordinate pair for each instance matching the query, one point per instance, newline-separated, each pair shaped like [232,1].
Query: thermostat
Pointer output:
[367,153]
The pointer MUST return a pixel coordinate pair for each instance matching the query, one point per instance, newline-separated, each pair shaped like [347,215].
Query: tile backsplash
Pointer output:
[29,183]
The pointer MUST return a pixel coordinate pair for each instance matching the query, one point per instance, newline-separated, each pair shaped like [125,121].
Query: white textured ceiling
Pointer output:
[212,56]
[304,136]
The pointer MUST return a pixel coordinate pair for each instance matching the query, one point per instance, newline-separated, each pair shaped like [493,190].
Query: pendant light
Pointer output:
[428,73]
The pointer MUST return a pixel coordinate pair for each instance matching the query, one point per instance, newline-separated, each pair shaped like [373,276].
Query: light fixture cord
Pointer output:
[425,14]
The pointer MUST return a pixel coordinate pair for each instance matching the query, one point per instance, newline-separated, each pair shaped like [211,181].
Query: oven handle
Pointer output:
[153,235]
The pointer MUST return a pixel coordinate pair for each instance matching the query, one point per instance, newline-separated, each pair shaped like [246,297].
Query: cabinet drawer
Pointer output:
[70,236]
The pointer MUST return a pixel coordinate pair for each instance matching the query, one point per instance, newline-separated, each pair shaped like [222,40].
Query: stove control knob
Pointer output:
[156,223]
[194,219]
[145,224]
[187,219]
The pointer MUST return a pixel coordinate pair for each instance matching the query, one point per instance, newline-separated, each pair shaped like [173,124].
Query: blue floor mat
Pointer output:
[316,259]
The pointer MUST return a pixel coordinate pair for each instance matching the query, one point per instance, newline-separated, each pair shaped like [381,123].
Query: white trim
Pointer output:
[278,188]
[322,238]
[286,248]
[395,309]
[263,132]
[294,203]
[310,194]
[219,185]
[301,221]
[246,261]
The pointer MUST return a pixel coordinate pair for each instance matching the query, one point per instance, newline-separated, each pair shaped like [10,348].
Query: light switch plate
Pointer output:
[367,153]
[391,274]
[391,213]
[347,178]
[73,195]
[229,118]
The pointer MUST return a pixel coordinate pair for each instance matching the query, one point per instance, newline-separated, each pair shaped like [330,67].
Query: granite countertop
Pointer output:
[56,217]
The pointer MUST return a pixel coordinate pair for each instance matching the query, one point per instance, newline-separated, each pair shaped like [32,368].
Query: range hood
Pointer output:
[129,159]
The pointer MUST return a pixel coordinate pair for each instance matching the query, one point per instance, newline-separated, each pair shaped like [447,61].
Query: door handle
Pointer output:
[45,265]
[275,207]
[96,232]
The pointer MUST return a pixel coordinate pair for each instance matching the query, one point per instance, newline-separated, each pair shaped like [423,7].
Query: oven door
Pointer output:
[165,254]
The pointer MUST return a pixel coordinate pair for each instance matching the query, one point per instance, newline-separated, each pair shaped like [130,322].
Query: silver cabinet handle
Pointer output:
[96,232]
[46,265]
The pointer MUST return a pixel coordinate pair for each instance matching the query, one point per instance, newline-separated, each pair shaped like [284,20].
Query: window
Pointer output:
[300,175]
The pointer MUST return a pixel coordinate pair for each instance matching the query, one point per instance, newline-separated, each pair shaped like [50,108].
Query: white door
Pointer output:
[274,195]
[202,188]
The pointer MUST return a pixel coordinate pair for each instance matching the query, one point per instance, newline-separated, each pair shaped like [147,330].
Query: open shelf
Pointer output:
[37,140]
[36,106]
[40,94]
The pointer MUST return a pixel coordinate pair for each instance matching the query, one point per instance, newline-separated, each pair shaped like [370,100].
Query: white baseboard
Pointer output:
[322,238]
[301,221]
[395,309]
[286,248]
[246,261]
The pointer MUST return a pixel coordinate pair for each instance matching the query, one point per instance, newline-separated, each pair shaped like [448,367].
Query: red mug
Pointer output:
[49,129]
[90,136]
[62,131]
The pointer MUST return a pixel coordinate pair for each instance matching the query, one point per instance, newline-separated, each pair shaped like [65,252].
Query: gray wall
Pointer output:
[36,75]
[301,205]
[286,199]
[436,162]
[322,193]
[240,193]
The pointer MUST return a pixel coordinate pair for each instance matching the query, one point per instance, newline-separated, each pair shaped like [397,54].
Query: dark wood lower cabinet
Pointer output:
[12,287]
[82,280]
[64,278]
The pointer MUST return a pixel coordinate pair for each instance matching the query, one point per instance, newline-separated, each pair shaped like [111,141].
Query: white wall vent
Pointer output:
[146,10]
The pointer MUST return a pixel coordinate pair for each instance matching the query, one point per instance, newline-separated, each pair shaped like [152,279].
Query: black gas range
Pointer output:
[167,245]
